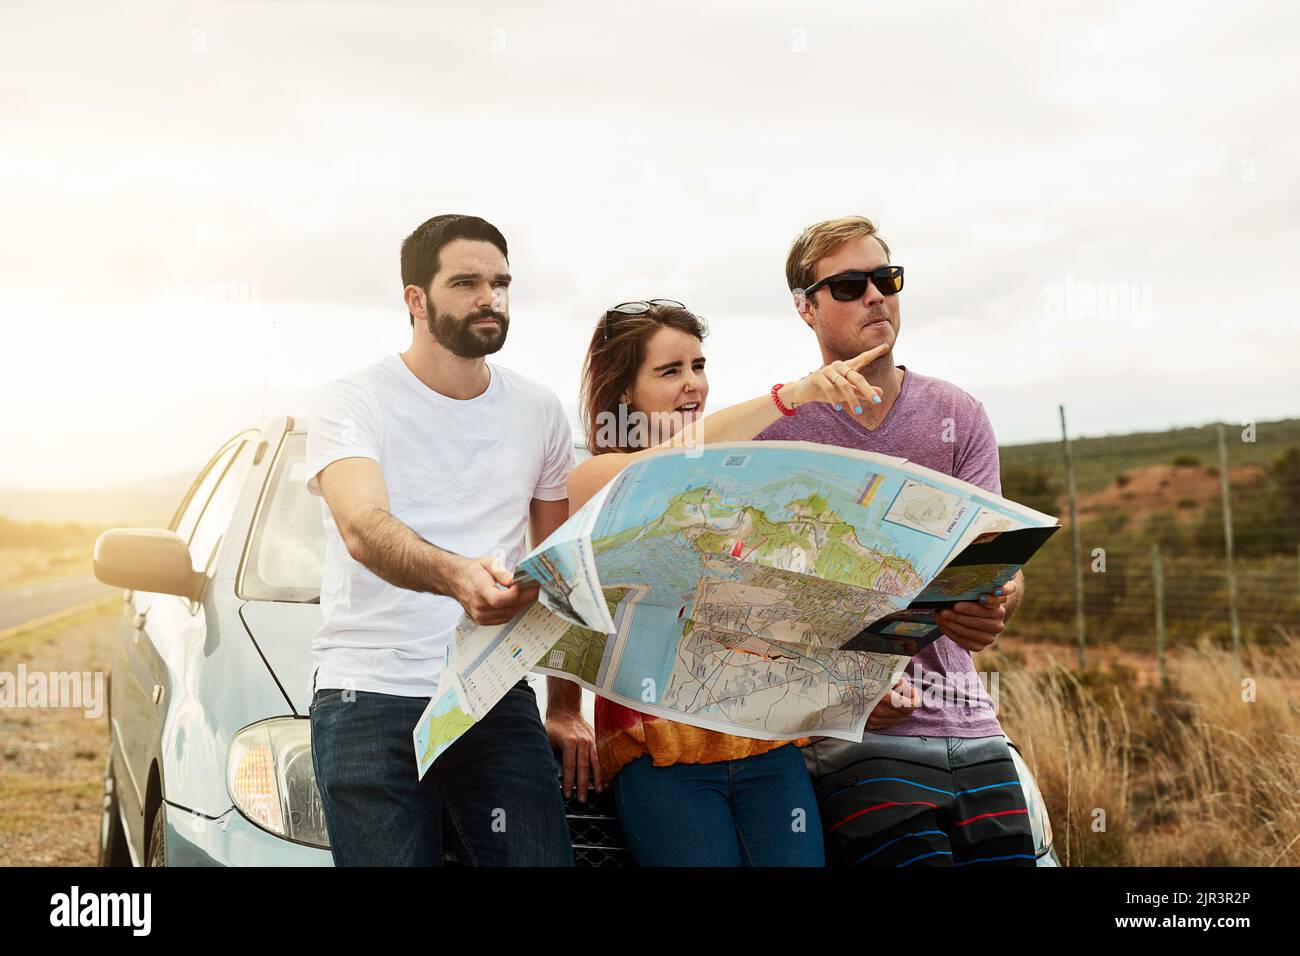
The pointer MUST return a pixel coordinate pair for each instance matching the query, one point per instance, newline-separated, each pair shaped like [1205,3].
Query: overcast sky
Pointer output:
[1096,203]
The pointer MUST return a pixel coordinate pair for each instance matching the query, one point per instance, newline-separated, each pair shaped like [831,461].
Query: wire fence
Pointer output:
[1182,536]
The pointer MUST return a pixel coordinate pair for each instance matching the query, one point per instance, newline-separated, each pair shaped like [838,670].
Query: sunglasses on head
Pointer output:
[848,286]
[637,308]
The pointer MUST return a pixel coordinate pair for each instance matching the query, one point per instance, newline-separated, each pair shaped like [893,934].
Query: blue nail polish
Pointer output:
[857,409]
[984,599]
[876,399]
[999,592]
[838,406]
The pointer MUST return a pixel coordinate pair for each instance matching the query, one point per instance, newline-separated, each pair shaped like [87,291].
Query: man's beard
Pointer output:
[459,337]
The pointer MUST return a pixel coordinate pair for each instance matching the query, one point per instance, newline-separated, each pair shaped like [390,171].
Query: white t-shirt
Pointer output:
[460,474]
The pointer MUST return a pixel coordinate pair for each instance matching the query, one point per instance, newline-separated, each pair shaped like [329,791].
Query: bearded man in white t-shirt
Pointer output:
[433,464]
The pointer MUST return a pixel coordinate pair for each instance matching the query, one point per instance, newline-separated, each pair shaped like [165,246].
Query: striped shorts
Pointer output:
[920,801]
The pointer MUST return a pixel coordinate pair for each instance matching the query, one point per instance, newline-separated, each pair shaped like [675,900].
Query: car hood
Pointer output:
[282,633]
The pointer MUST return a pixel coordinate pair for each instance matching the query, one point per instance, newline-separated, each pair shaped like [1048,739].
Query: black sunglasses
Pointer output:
[848,286]
[636,308]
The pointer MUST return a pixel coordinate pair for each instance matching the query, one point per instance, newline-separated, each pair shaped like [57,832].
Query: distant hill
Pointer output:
[1189,490]
[1098,461]
[145,503]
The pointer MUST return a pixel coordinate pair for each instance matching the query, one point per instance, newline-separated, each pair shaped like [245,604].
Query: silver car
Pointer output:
[209,755]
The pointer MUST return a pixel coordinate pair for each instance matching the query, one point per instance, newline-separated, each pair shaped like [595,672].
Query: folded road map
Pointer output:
[767,589]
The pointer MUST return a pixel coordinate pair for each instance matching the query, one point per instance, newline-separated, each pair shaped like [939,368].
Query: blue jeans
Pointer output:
[759,811]
[498,784]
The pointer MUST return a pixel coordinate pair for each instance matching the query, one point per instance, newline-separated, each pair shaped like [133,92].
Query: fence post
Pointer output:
[1227,542]
[1158,571]
[1075,535]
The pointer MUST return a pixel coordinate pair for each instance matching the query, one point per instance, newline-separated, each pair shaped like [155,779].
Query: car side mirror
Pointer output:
[147,559]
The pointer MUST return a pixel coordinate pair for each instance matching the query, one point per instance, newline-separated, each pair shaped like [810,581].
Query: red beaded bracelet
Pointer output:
[777,398]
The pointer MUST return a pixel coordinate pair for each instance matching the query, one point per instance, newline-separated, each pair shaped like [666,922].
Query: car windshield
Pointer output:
[286,554]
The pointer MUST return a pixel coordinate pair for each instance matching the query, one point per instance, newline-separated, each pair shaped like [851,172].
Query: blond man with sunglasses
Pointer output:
[932,783]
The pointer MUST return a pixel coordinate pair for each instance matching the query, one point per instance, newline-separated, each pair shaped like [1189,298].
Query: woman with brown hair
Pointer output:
[687,796]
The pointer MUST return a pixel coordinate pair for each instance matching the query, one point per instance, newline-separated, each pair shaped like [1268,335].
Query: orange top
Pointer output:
[623,735]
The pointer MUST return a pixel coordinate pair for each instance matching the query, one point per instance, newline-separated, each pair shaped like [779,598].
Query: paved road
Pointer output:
[28,602]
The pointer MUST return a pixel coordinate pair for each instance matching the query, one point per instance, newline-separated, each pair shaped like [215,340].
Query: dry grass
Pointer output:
[1198,775]
[52,759]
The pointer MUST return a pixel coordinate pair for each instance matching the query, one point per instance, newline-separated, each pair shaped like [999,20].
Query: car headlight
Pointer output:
[272,783]
[1040,825]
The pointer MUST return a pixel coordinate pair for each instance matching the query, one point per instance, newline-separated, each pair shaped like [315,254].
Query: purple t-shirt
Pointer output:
[935,424]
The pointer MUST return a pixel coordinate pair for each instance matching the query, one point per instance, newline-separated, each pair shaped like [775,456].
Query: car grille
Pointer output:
[594,831]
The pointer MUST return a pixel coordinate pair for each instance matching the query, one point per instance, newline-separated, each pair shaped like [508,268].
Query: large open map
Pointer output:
[769,589]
